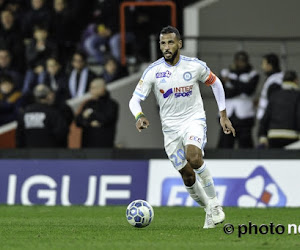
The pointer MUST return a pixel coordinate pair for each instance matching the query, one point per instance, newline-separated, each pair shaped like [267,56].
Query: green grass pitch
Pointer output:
[77,227]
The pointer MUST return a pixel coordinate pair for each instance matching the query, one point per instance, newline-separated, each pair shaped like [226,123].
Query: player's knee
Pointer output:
[195,159]
[189,180]
[188,175]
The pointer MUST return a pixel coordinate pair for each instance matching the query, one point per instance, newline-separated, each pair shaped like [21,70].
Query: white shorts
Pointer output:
[194,133]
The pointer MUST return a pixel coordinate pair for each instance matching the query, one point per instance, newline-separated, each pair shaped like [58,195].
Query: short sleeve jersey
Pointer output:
[176,89]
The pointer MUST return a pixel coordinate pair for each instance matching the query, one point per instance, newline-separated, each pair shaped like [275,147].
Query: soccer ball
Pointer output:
[139,213]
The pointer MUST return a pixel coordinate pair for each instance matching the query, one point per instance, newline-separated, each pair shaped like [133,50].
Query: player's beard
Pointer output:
[171,60]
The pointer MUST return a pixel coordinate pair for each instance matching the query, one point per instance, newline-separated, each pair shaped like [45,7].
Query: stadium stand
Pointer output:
[199,40]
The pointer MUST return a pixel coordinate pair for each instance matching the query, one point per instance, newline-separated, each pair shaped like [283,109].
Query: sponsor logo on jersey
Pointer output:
[195,138]
[139,86]
[187,76]
[178,91]
[163,74]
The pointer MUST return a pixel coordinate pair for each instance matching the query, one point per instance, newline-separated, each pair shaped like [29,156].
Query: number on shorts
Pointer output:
[180,155]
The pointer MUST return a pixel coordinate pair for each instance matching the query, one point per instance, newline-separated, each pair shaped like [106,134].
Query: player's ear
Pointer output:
[180,44]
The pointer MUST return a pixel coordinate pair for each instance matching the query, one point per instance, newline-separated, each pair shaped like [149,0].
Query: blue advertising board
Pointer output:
[70,182]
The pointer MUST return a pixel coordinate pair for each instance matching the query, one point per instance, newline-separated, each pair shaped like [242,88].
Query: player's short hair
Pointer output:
[273,60]
[170,29]
[290,76]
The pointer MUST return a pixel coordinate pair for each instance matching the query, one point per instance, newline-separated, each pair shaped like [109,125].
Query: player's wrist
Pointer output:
[139,115]
[223,114]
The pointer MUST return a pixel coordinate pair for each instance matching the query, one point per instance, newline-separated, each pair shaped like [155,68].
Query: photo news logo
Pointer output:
[243,229]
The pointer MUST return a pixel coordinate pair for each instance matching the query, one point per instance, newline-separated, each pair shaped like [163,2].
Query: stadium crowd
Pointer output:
[46,47]
[277,111]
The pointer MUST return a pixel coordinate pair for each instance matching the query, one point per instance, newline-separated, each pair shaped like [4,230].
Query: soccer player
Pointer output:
[174,79]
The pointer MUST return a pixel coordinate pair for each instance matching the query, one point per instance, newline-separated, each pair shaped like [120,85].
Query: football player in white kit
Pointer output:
[175,81]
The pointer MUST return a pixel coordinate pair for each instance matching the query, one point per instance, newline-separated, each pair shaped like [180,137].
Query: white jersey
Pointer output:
[176,89]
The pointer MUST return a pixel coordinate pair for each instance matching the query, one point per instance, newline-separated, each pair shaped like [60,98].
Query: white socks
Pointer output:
[206,181]
[198,194]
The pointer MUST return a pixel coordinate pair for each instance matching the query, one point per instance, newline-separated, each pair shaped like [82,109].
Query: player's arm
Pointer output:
[218,90]
[136,109]
[140,93]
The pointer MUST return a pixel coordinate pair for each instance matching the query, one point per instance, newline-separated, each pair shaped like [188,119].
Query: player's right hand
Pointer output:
[142,123]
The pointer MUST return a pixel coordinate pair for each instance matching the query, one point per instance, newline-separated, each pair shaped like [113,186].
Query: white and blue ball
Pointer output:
[139,213]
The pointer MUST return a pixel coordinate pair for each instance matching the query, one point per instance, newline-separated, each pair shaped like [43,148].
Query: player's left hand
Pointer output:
[142,123]
[227,126]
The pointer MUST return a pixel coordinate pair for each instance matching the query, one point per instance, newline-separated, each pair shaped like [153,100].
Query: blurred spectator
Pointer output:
[37,52]
[10,100]
[98,42]
[63,29]
[38,15]
[17,7]
[98,117]
[56,79]
[111,70]
[240,82]
[102,37]
[271,67]
[7,69]
[41,125]
[280,124]
[40,47]
[80,77]
[11,38]
[105,38]
[54,75]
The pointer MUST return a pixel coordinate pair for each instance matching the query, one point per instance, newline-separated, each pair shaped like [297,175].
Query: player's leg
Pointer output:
[175,151]
[194,141]
[195,159]
[193,186]
[196,191]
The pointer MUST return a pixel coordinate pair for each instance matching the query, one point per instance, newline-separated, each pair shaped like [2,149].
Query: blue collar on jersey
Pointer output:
[173,65]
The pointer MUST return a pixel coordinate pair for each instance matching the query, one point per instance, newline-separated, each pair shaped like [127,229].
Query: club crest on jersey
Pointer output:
[178,91]
[163,74]
[187,76]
